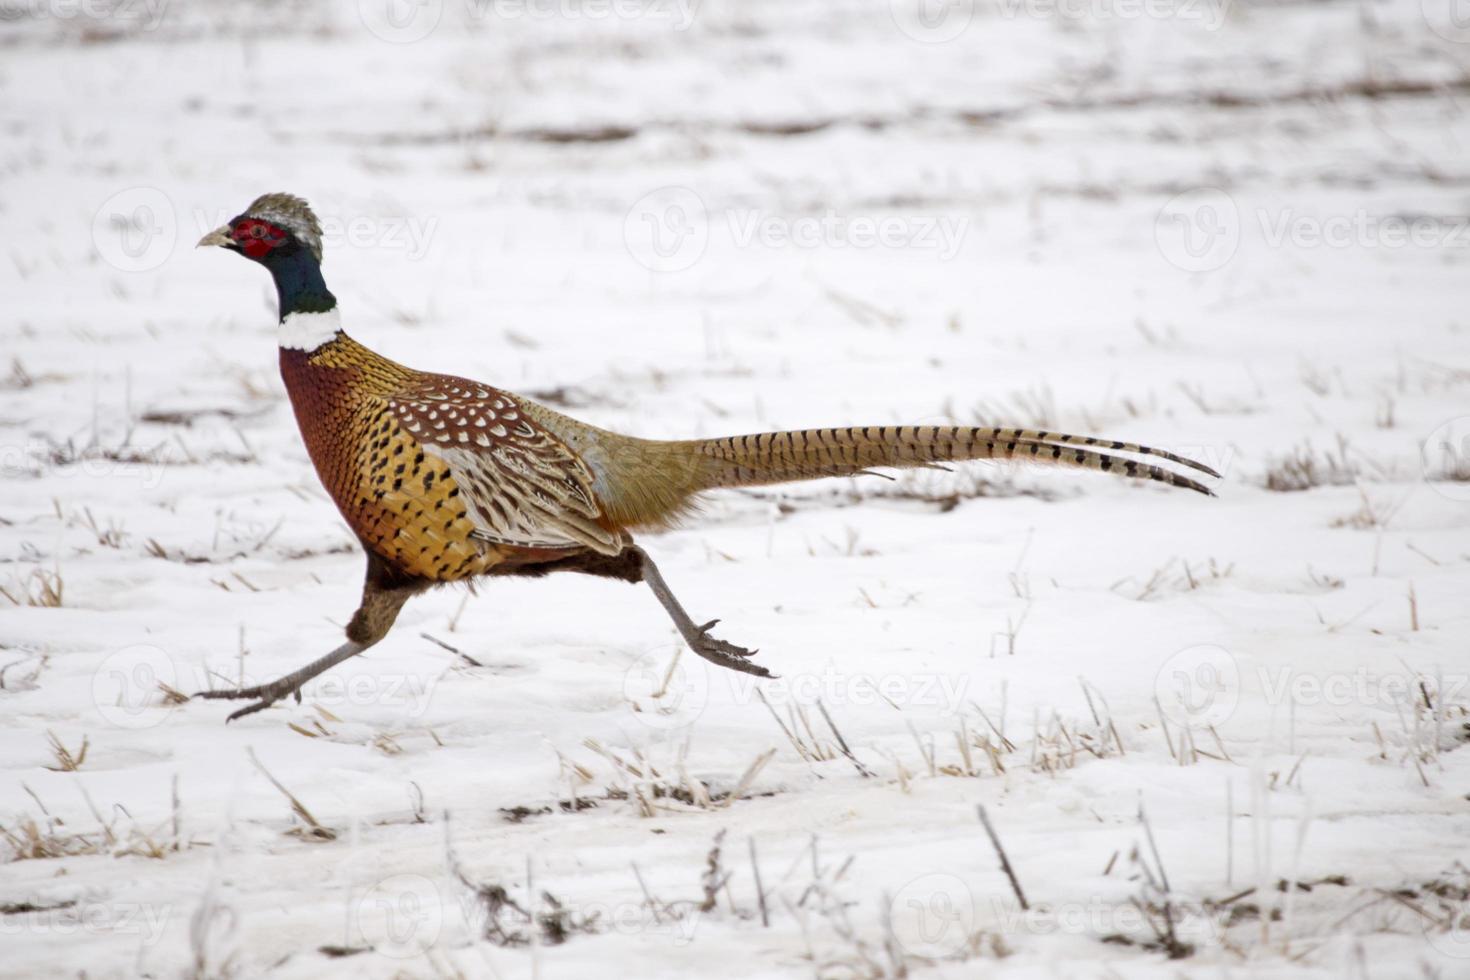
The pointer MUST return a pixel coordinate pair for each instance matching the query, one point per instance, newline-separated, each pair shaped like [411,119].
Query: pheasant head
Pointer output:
[274,227]
[280,232]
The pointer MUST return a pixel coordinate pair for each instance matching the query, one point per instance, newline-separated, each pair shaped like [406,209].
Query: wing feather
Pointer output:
[520,484]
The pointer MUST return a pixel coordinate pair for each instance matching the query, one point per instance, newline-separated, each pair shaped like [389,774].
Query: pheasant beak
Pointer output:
[220,236]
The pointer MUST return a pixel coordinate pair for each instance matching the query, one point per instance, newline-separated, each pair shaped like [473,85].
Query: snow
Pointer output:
[1237,231]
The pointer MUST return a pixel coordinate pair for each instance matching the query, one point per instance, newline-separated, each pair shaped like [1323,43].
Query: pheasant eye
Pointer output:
[256,238]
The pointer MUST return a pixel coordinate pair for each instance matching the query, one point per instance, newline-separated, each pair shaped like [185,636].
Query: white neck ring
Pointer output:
[308,331]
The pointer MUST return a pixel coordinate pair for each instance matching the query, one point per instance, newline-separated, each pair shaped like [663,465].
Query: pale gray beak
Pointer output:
[220,236]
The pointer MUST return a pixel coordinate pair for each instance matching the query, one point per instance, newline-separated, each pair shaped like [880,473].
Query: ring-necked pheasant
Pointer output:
[444,479]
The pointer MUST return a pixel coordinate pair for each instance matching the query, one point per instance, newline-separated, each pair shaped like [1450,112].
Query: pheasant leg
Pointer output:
[269,694]
[381,601]
[714,650]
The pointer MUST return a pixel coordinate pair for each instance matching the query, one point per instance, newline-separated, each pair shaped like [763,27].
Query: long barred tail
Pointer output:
[807,454]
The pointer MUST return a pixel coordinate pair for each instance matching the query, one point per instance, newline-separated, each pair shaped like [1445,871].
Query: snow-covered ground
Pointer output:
[1236,230]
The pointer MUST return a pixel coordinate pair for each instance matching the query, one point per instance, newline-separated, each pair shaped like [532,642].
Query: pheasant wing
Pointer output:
[520,484]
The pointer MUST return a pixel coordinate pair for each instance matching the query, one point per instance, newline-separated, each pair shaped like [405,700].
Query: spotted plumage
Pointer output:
[522,486]
[445,479]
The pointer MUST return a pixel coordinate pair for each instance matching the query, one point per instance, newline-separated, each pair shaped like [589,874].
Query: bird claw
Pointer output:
[724,653]
[265,695]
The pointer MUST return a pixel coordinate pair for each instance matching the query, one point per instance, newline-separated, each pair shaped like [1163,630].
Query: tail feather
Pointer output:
[806,454]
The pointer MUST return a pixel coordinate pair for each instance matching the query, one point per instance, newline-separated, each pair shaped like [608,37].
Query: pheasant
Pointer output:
[444,479]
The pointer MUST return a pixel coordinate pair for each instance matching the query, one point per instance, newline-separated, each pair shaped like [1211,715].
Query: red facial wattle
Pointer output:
[256,238]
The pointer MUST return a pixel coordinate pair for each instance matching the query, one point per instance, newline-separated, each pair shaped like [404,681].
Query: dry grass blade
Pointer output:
[172,695]
[452,649]
[41,589]
[315,830]
[760,892]
[1304,468]
[1005,862]
[863,770]
[66,761]
[752,771]
[29,840]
